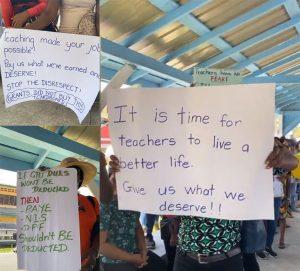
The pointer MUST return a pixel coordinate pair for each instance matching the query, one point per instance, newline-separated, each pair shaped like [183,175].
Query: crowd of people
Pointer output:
[196,243]
[285,199]
[191,243]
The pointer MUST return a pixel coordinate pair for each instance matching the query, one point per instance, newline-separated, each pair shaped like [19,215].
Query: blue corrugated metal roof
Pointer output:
[157,73]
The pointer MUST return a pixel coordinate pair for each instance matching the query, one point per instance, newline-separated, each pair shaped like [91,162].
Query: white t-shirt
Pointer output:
[71,13]
[277,188]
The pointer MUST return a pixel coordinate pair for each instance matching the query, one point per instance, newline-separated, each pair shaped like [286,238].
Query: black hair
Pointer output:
[43,168]
[110,172]
[79,172]
[282,139]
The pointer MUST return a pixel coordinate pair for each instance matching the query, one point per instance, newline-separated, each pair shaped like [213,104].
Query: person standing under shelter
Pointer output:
[207,244]
[293,180]
[271,224]
[122,242]
[88,208]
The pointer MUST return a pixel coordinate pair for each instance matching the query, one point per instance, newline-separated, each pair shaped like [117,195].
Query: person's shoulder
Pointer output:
[93,200]
[109,206]
[90,201]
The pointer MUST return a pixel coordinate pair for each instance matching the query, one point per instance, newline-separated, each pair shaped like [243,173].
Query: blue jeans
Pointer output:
[293,195]
[148,221]
[271,224]
[277,204]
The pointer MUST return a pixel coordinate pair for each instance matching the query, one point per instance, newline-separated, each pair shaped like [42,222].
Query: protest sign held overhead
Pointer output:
[47,220]
[216,77]
[194,151]
[38,65]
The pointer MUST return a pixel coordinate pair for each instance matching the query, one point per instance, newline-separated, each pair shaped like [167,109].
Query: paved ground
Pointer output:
[8,261]
[43,113]
[289,258]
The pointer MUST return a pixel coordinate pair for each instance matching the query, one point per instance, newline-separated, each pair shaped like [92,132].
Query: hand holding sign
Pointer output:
[281,157]
[38,65]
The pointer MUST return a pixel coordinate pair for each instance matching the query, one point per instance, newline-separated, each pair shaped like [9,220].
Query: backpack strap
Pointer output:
[91,200]
[96,227]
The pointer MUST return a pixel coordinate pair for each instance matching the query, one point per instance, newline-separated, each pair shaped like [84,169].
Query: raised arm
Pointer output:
[38,9]
[282,157]
[7,12]
[47,16]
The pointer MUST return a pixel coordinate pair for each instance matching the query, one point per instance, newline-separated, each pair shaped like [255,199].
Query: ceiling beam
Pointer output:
[220,30]
[208,35]
[275,65]
[13,164]
[291,88]
[61,130]
[124,55]
[290,121]
[40,158]
[250,42]
[167,19]
[290,70]
[293,9]
[287,106]
[286,97]
[197,27]
[108,74]
[287,102]
[269,52]
[45,139]
[121,55]
[278,79]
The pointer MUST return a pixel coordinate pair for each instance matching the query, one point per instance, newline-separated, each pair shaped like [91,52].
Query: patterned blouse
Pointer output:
[208,236]
[121,227]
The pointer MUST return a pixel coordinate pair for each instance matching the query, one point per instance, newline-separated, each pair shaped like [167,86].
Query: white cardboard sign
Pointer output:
[48,221]
[216,77]
[58,67]
[194,151]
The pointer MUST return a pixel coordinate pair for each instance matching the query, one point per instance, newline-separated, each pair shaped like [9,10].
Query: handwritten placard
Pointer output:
[39,65]
[194,151]
[216,77]
[48,221]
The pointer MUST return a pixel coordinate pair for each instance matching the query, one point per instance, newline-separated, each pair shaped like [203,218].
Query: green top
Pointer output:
[121,227]
[208,236]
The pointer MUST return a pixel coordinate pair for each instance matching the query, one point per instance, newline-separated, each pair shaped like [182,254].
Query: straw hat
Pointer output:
[89,170]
